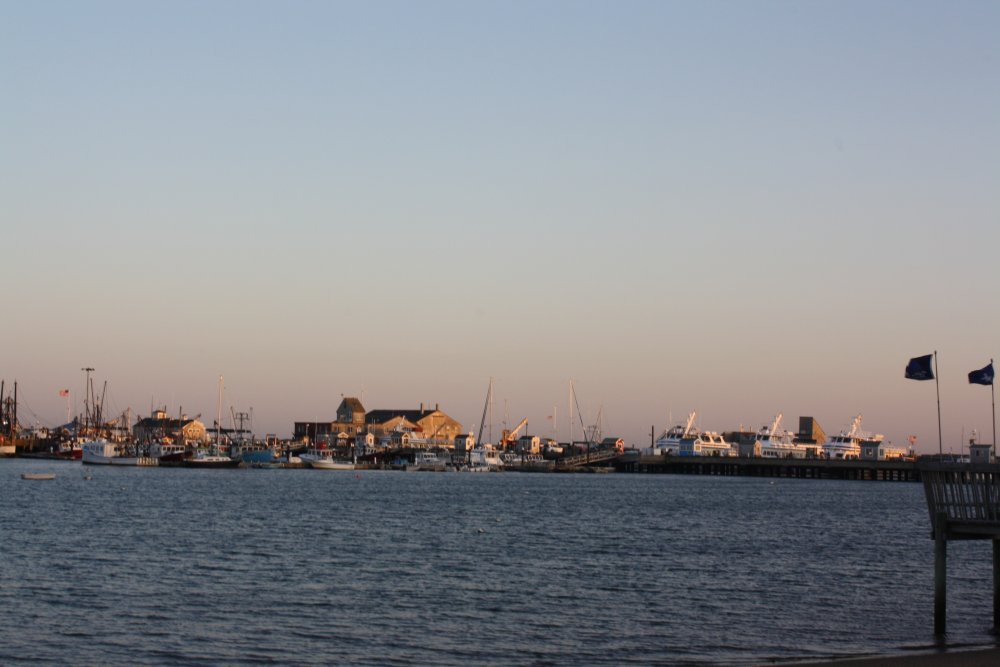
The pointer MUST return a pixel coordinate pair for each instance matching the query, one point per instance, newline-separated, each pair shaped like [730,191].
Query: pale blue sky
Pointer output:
[735,207]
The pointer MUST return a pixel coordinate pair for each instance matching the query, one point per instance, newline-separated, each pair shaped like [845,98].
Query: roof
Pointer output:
[382,416]
[352,404]
[150,422]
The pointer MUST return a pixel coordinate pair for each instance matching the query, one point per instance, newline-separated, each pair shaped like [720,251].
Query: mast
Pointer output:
[218,420]
[86,400]
[571,413]
[487,408]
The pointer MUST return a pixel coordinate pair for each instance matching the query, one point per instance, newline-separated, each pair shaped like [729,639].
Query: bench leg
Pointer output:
[941,571]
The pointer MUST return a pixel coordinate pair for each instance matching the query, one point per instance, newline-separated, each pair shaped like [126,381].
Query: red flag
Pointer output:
[64,392]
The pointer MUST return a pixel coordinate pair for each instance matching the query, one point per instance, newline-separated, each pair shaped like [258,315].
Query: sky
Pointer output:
[738,208]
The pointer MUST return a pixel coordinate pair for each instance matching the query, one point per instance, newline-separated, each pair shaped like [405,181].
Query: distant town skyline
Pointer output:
[739,209]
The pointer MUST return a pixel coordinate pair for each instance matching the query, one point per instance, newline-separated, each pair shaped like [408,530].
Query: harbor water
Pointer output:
[125,566]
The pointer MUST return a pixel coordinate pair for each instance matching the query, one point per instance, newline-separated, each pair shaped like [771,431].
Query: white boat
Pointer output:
[104,452]
[705,443]
[847,443]
[485,458]
[688,440]
[167,452]
[425,460]
[525,462]
[775,443]
[322,458]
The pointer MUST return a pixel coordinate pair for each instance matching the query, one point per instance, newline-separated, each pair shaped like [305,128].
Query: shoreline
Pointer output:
[955,657]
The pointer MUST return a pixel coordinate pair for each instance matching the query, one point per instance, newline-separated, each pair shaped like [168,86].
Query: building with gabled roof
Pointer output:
[183,431]
[426,427]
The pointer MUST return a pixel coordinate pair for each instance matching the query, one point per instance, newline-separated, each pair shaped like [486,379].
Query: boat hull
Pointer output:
[325,464]
[212,463]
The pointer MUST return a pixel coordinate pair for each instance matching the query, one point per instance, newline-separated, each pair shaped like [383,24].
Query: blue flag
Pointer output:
[982,376]
[920,368]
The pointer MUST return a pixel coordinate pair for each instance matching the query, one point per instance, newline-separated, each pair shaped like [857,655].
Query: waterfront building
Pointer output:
[426,427]
[349,422]
[464,443]
[810,432]
[183,431]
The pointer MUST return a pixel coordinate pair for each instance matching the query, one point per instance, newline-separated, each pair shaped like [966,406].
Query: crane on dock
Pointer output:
[510,436]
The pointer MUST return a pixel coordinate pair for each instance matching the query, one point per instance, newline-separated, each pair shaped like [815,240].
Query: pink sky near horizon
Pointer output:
[735,209]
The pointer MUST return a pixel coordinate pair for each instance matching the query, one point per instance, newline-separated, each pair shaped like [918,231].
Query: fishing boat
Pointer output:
[167,452]
[848,443]
[105,452]
[521,462]
[484,458]
[322,458]
[425,460]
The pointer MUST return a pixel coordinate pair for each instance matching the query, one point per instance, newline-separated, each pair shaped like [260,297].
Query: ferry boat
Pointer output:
[688,440]
[670,440]
[705,443]
[847,444]
[775,443]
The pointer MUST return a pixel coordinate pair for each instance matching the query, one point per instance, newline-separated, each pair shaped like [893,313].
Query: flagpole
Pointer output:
[993,395]
[937,385]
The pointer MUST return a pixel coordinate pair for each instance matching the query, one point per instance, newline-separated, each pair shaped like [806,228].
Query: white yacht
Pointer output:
[670,440]
[776,443]
[705,443]
[847,443]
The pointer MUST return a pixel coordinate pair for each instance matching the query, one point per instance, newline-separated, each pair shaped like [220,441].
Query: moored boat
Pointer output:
[484,458]
[848,443]
[208,459]
[425,460]
[774,442]
[105,452]
[688,440]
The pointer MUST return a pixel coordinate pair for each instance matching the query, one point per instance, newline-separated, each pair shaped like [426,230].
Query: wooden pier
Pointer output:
[854,469]
[963,501]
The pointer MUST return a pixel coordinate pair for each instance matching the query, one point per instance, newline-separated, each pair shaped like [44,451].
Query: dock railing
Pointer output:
[963,501]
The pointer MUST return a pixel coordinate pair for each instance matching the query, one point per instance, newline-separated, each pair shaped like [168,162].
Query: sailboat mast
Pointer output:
[570,413]
[218,420]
